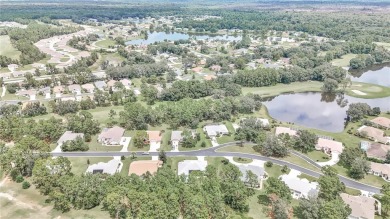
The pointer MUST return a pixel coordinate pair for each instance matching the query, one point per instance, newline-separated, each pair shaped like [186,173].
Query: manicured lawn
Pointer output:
[318,156]
[242,160]
[310,178]
[295,87]
[370,90]
[7,49]
[274,171]
[80,165]
[126,164]
[353,191]
[173,161]
[105,43]
[257,210]
[165,141]
[64,59]
[344,61]
[368,179]
[299,161]
[101,113]
[245,149]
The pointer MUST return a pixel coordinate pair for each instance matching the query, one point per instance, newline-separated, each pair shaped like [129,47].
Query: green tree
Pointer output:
[330,185]
[278,187]
[385,199]
[359,168]
[162,156]
[308,208]
[330,85]
[348,155]
[305,141]
[273,146]
[335,208]
[139,139]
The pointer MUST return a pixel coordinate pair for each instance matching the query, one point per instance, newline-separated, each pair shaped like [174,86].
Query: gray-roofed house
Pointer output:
[214,130]
[75,88]
[111,167]
[18,74]
[101,85]
[259,171]
[111,136]
[176,137]
[187,166]
[69,136]
[28,93]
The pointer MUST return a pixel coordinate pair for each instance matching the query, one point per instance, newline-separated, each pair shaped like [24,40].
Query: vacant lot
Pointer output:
[344,61]
[6,48]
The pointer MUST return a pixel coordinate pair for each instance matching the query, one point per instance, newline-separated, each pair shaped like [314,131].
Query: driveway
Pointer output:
[154,146]
[331,162]
[125,141]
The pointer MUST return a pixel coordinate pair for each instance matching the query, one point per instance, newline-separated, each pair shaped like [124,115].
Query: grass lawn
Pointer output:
[94,145]
[295,87]
[370,90]
[257,210]
[198,145]
[64,59]
[310,178]
[7,49]
[173,161]
[242,160]
[245,149]
[274,171]
[105,43]
[344,61]
[318,156]
[101,113]
[368,179]
[165,141]
[353,191]
[126,164]
[79,164]
[299,161]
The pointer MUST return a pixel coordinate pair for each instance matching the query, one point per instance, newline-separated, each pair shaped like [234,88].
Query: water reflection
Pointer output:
[161,36]
[376,74]
[316,110]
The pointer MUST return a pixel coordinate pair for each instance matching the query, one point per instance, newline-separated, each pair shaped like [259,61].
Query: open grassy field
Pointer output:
[242,160]
[245,149]
[370,90]
[318,156]
[295,87]
[344,61]
[105,43]
[7,49]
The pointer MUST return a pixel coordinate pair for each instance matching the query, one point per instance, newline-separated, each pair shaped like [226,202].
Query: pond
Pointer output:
[377,74]
[316,110]
[161,36]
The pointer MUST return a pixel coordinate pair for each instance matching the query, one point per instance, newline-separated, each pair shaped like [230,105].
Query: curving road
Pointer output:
[212,152]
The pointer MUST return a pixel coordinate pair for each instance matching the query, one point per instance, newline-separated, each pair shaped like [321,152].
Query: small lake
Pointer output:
[377,74]
[161,36]
[315,110]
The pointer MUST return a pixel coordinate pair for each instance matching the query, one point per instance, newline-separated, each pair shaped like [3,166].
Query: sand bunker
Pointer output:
[358,92]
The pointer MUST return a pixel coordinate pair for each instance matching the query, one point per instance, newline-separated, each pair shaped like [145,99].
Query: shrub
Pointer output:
[203,144]
[285,169]
[269,164]
[19,179]
[26,185]
[14,173]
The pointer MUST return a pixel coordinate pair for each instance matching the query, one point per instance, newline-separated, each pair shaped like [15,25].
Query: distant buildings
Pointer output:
[283,130]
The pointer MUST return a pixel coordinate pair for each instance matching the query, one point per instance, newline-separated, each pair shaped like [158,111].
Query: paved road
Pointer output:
[212,152]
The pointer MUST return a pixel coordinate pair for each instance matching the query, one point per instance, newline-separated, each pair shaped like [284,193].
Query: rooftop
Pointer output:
[377,150]
[374,133]
[284,130]
[69,136]
[362,207]
[142,166]
[186,166]
[334,146]
[259,171]
[383,121]
[302,186]
[176,136]
[111,167]
[114,134]
[154,135]
[380,168]
[213,130]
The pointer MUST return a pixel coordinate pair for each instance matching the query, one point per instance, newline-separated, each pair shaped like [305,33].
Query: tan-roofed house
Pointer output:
[329,146]
[382,122]
[143,166]
[111,136]
[377,150]
[375,134]
[88,87]
[209,77]
[197,69]
[154,136]
[381,170]
[284,130]
[362,207]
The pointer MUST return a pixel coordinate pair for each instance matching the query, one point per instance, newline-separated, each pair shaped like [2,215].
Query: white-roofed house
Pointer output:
[126,83]
[300,188]
[187,166]
[75,88]
[101,85]
[111,136]
[89,88]
[111,167]
[176,137]
[259,171]
[284,130]
[215,130]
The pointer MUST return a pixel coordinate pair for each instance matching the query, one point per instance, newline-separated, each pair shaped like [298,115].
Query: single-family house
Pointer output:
[263,122]
[111,84]
[176,137]
[284,130]
[197,69]
[99,75]
[381,170]
[362,207]
[270,65]
[329,146]
[136,92]
[101,85]
[154,138]
[141,167]
[46,92]
[18,74]
[126,83]
[58,90]
[28,93]
[75,88]
[259,171]
[111,136]
[215,130]
[374,134]
[111,167]
[187,166]
[382,122]
[69,136]
[215,68]
[375,150]
[209,77]
[89,88]
[300,188]
[13,67]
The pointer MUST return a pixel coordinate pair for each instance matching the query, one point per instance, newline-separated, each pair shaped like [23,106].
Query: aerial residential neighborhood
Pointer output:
[196,109]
